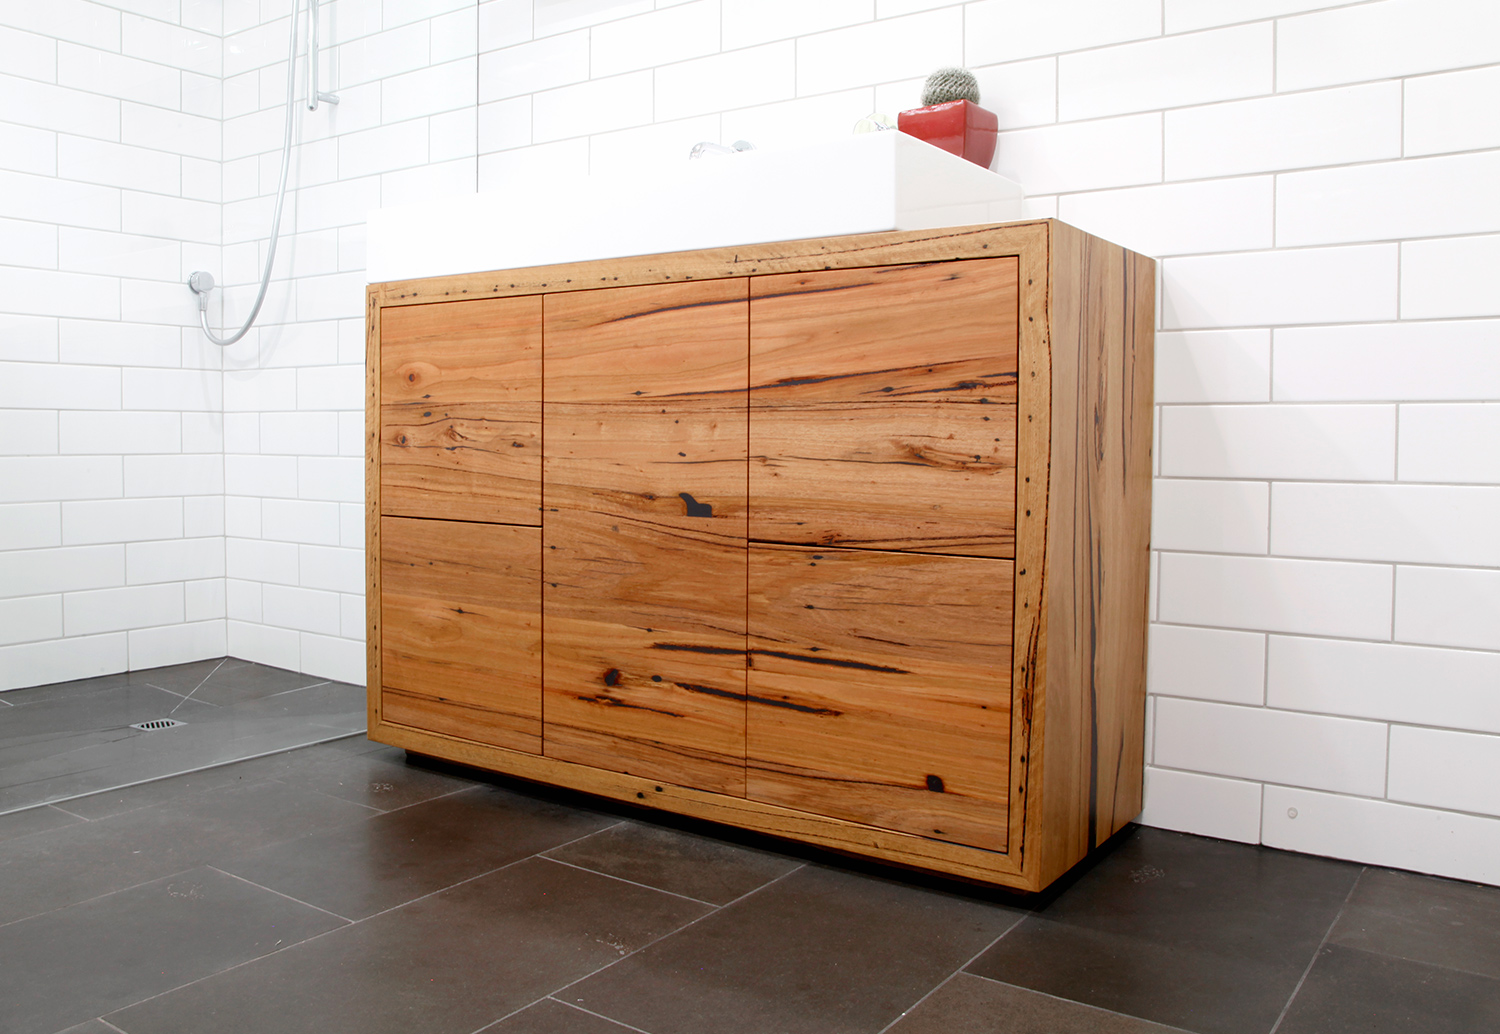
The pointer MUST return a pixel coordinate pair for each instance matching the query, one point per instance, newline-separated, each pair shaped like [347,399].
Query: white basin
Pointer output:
[862,184]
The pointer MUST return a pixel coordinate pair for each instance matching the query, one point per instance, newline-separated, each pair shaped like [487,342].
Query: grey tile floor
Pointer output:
[343,887]
[75,738]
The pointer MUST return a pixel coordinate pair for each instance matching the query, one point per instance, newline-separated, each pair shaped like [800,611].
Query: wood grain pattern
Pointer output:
[941,331]
[645,649]
[461,641]
[461,392]
[1098,544]
[629,344]
[469,351]
[456,461]
[858,437]
[675,464]
[644,531]
[879,689]
[926,476]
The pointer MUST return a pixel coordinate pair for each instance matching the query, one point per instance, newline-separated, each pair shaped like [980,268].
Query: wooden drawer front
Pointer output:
[460,416]
[644,532]
[856,439]
[645,651]
[663,464]
[461,630]
[879,689]
[639,344]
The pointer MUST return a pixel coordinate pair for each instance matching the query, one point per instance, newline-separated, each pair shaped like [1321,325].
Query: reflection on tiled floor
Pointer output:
[73,738]
[339,888]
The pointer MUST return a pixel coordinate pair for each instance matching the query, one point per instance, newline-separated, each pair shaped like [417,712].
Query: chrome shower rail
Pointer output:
[313,94]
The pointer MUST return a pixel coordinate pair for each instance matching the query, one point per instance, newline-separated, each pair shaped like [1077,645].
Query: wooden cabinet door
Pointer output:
[879,689]
[883,407]
[461,630]
[644,531]
[461,408]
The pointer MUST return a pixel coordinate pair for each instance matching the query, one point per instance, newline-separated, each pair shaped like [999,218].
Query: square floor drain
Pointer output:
[158,723]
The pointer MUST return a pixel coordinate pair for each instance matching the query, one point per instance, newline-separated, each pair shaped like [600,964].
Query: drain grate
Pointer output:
[158,723]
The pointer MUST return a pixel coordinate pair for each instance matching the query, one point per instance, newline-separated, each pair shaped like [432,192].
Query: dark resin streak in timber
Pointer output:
[603,698]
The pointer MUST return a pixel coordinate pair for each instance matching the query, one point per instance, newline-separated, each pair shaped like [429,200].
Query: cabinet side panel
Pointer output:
[1098,539]
[1029,652]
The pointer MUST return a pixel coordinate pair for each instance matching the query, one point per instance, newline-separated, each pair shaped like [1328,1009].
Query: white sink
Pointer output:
[862,184]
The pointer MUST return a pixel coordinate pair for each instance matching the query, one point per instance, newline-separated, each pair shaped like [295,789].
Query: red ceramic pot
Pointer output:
[965,129]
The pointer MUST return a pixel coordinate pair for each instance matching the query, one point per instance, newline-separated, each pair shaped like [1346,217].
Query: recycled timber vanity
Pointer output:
[841,540]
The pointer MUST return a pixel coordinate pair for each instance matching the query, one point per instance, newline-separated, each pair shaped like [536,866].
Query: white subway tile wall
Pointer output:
[111,130]
[1316,177]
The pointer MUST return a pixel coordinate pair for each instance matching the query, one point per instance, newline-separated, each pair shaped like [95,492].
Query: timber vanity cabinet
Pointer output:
[840,540]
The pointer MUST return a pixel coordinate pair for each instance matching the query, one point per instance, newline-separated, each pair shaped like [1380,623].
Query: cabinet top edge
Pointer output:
[892,247]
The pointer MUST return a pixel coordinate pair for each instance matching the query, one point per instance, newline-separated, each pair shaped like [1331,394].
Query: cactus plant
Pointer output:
[950,84]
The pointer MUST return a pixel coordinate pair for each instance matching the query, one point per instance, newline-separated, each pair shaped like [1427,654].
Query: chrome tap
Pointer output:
[709,147]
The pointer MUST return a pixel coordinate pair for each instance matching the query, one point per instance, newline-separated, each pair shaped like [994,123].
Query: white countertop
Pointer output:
[861,184]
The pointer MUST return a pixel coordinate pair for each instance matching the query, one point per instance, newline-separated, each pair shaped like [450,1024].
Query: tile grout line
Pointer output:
[199,686]
[963,966]
[621,879]
[174,692]
[607,1019]
[1318,951]
[299,689]
[404,807]
[1073,1001]
[107,893]
[191,771]
[272,890]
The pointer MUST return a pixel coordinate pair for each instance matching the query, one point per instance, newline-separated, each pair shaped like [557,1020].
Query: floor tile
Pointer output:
[820,951]
[234,682]
[1424,919]
[393,858]
[33,820]
[1356,992]
[351,768]
[79,962]
[286,765]
[60,867]
[1195,933]
[168,790]
[682,863]
[372,780]
[48,727]
[552,1017]
[185,678]
[447,964]
[75,739]
[331,702]
[973,1005]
